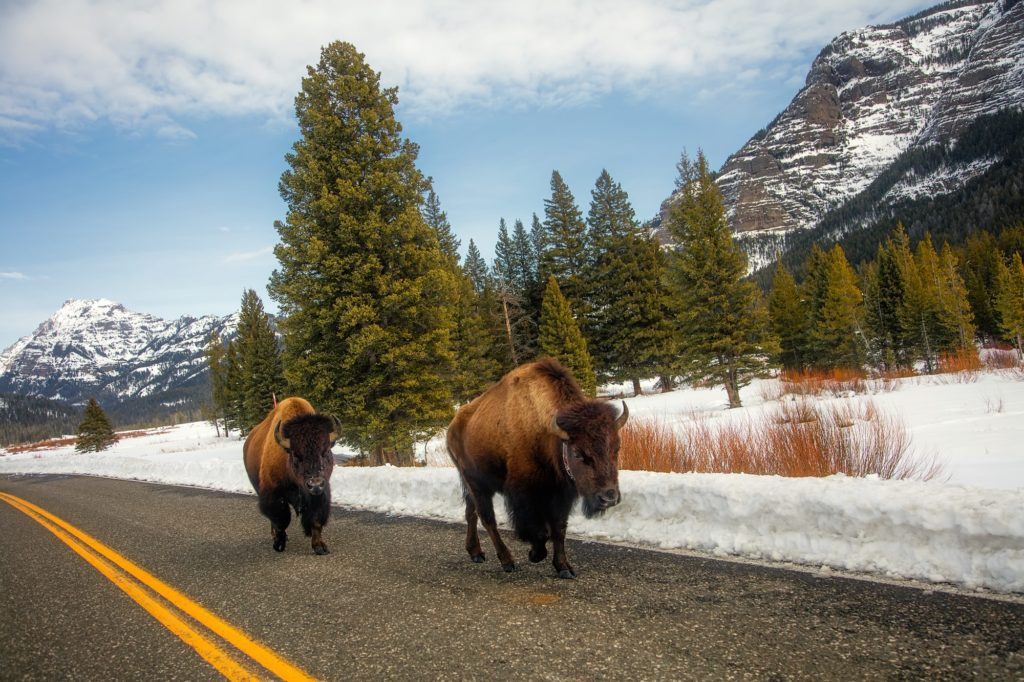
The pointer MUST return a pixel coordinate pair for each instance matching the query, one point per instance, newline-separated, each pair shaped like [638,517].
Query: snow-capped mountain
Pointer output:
[870,95]
[99,348]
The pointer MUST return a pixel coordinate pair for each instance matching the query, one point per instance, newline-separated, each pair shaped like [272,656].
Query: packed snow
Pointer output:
[967,529]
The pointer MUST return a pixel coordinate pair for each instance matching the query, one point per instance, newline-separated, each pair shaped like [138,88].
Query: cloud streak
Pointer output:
[249,256]
[14,275]
[65,64]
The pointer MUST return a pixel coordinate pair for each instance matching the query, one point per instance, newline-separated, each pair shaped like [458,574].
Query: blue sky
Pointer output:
[140,150]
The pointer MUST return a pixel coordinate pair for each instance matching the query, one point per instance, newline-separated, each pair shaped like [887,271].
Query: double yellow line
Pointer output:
[133,580]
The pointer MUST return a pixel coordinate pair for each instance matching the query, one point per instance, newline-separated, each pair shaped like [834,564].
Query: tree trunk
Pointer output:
[666,383]
[636,387]
[508,332]
[732,389]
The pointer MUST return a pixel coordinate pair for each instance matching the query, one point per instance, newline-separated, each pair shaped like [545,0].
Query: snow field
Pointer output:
[968,530]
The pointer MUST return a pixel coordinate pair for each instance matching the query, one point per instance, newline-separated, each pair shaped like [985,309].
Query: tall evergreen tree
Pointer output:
[437,220]
[723,326]
[564,254]
[789,319]
[840,327]
[216,360]
[475,267]
[812,292]
[363,286]
[258,362]
[885,294]
[504,259]
[1010,300]
[95,431]
[560,337]
[981,257]
[628,328]
[954,306]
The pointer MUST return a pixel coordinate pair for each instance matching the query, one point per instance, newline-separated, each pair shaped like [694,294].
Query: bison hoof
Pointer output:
[477,558]
[538,554]
[321,550]
[509,568]
[567,573]
[279,545]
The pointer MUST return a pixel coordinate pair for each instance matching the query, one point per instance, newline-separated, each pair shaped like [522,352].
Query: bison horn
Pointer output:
[558,430]
[620,420]
[281,440]
[336,428]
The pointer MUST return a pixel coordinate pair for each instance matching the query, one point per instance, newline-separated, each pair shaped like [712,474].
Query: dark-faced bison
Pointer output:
[535,438]
[289,461]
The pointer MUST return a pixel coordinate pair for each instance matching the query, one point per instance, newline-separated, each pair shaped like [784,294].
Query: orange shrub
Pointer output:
[798,439]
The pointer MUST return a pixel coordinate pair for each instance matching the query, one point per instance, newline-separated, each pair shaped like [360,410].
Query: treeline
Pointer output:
[904,308]
[26,419]
[386,327]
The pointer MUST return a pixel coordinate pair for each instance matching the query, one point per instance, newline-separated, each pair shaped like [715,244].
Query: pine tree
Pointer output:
[560,337]
[789,319]
[981,257]
[437,220]
[565,250]
[884,295]
[216,361]
[812,292]
[953,302]
[259,377]
[840,328]
[629,331]
[476,267]
[363,286]
[1010,300]
[523,260]
[504,265]
[723,327]
[95,431]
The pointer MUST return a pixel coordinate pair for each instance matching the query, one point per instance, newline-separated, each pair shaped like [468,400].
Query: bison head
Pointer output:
[308,439]
[589,451]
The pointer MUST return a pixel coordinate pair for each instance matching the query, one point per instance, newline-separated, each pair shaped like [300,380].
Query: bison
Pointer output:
[289,461]
[536,439]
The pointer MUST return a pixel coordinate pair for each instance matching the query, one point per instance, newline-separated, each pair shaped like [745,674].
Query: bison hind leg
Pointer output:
[473,548]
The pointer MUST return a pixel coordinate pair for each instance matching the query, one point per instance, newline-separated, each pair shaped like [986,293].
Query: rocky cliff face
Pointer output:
[99,348]
[872,94]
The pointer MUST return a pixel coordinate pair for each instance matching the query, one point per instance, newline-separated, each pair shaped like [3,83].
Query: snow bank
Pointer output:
[927,531]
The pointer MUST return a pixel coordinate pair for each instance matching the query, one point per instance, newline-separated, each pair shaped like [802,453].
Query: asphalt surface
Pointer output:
[398,598]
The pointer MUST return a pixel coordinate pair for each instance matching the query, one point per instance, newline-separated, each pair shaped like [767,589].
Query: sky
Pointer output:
[141,143]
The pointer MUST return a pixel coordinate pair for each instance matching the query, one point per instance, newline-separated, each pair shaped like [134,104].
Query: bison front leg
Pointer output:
[314,518]
[275,508]
[560,561]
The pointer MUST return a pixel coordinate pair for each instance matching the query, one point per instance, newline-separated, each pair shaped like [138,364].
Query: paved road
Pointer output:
[398,598]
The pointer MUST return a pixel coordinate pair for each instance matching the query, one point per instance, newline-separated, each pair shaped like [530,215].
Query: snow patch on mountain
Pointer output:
[97,347]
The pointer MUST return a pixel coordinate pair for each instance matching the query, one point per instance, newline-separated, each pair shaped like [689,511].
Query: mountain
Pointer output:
[134,364]
[872,96]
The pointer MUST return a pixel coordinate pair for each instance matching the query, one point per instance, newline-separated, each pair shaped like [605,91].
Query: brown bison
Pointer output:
[289,461]
[537,440]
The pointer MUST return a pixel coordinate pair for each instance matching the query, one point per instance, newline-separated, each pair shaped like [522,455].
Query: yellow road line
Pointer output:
[256,651]
[213,654]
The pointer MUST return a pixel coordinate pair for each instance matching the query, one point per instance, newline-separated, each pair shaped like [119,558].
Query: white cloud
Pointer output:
[247,256]
[13,275]
[67,63]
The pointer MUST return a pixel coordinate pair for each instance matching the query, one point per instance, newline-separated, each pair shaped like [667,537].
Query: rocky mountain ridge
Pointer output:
[98,348]
[871,95]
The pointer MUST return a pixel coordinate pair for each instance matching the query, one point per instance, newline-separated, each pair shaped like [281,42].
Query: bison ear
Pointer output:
[558,430]
[335,428]
[620,420]
[281,440]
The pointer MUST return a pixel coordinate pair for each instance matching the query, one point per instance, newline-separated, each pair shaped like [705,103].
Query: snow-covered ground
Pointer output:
[967,529]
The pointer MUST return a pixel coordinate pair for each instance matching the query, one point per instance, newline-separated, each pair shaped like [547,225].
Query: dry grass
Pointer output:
[999,358]
[797,439]
[70,440]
